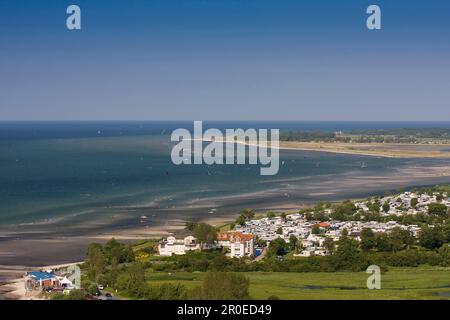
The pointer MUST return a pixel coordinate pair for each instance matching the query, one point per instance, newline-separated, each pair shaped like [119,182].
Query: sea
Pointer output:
[79,176]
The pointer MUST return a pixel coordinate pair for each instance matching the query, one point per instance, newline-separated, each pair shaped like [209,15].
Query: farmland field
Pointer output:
[398,283]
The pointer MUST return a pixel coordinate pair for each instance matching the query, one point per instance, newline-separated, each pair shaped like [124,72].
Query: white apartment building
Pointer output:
[240,244]
[171,245]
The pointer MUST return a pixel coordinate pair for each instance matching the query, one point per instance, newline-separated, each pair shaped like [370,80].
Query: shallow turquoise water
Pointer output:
[78,176]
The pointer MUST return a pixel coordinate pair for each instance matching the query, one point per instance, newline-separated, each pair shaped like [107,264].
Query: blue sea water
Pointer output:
[87,174]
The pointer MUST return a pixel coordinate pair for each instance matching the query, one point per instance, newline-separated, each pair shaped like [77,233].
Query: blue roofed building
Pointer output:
[37,279]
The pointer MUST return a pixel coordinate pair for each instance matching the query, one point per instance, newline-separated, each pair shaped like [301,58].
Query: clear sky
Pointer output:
[225,59]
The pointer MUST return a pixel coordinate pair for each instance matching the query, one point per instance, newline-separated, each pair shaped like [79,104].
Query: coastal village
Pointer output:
[251,238]
[241,242]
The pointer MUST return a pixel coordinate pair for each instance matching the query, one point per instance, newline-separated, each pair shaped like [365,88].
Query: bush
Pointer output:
[166,291]
[73,295]
[444,255]
[437,209]
[406,258]
[222,286]
[348,257]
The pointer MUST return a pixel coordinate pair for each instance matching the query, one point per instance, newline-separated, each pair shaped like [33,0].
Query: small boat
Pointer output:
[363,165]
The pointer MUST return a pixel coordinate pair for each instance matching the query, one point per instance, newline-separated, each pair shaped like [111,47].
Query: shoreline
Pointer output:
[25,251]
[11,282]
[391,150]
[384,150]
[65,246]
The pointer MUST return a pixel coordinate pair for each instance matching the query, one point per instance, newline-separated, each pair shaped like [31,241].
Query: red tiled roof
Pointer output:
[323,224]
[234,236]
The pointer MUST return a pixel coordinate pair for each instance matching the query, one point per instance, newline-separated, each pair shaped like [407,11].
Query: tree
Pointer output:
[348,257]
[204,233]
[386,206]
[444,254]
[260,242]
[119,251]
[167,291]
[240,220]
[329,245]
[293,242]
[446,231]
[438,209]
[414,202]
[220,262]
[400,239]
[432,238]
[315,229]
[309,216]
[223,286]
[283,215]
[113,273]
[382,243]
[320,216]
[248,214]
[319,206]
[344,211]
[372,216]
[190,225]
[277,247]
[270,214]
[374,207]
[132,280]
[344,232]
[95,261]
[280,230]
[368,240]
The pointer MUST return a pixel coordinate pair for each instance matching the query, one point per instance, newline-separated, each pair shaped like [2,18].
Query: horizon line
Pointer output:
[210,120]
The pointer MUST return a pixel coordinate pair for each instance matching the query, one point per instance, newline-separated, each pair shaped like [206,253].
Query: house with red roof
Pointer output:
[240,244]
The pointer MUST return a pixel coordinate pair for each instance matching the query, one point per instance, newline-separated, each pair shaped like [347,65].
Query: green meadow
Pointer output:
[397,283]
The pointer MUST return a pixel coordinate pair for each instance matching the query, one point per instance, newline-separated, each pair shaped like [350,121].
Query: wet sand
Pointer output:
[386,150]
[390,150]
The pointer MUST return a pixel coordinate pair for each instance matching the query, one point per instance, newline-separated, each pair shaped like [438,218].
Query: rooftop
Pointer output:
[38,275]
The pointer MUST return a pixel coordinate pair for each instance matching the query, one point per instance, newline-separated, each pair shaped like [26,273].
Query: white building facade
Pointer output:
[240,244]
[173,246]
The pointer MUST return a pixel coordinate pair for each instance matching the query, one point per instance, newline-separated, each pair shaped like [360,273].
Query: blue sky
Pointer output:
[225,59]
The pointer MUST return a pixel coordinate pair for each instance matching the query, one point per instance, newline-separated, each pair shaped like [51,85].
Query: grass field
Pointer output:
[401,283]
